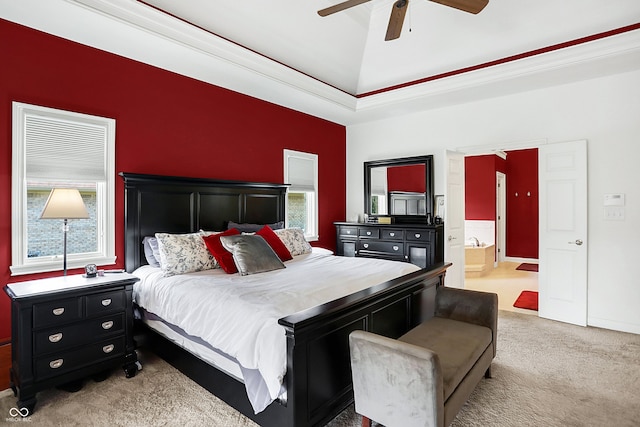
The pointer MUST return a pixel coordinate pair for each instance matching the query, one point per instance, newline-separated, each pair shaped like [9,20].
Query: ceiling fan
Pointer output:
[399,9]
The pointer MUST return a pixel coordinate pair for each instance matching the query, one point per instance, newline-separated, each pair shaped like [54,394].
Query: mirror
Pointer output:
[400,188]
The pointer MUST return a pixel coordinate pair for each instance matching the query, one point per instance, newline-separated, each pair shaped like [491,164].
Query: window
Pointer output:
[55,148]
[379,191]
[301,173]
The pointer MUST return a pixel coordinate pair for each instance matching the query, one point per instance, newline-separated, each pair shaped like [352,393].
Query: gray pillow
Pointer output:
[151,251]
[252,228]
[251,254]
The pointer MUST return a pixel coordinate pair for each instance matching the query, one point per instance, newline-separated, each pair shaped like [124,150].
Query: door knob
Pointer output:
[450,238]
[577,242]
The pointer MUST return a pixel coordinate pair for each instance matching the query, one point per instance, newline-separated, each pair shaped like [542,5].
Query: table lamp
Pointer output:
[64,203]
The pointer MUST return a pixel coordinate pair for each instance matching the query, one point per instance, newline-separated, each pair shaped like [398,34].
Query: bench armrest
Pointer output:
[395,383]
[464,305]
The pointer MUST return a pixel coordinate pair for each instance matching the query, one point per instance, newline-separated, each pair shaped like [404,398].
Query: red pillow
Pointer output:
[223,256]
[276,244]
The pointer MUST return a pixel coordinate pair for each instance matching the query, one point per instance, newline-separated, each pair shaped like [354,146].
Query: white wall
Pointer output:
[604,111]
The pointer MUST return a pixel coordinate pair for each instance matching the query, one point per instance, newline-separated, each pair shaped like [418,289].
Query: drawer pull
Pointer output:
[55,337]
[106,302]
[107,324]
[418,235]
[395,248]
[366,245]
[108,348]
[348,231]
[392,234]
[368,233]
[55,364]
[58,311]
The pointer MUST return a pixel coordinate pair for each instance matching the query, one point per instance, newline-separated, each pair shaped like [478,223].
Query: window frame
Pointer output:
[105,196]
[311,231]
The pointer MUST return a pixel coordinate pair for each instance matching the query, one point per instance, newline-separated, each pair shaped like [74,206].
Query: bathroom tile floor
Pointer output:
[507,282]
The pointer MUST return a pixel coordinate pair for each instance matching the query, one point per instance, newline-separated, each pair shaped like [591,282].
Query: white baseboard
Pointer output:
[521,260]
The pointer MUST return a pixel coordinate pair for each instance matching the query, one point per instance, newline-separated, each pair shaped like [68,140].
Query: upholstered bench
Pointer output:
[424,377]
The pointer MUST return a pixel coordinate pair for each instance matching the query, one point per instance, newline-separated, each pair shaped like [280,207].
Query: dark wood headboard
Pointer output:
[169,204]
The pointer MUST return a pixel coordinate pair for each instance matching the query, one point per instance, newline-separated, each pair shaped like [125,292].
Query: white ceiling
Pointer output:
[284,52]
[347,50]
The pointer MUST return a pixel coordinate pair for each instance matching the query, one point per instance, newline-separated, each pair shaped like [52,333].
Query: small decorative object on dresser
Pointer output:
[64,329]
[419,244]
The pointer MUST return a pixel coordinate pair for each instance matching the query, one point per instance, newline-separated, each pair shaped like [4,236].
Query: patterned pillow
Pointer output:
[183,253]
[293,239]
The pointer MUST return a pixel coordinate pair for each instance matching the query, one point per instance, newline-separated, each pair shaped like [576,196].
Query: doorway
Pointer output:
[486,218]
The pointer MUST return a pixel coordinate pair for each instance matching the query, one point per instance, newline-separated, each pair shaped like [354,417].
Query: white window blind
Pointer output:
[301,172]
[60,148]
[379,181]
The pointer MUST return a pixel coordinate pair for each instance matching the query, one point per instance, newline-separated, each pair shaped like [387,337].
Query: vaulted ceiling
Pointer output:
[340,67]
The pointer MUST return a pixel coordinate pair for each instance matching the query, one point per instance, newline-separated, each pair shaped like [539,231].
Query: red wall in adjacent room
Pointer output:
[521,169]
[480,186]
[165,124]
[522,204]
[407,178]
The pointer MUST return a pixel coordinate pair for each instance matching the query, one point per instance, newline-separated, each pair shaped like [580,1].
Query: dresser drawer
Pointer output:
[57,312]
[373,233]
[105,302]
[419,235]
[59,363]
[393,248]
[56,339]
[348,231]
[392,234]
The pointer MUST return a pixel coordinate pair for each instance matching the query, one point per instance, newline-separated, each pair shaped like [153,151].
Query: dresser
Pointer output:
[418,244]
[64,329]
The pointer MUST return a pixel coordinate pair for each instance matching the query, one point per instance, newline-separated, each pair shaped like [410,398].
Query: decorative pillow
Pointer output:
[183,253]
[222,256]
[252,254]
[151,251]
[293,239]
[252,228]
[276,244]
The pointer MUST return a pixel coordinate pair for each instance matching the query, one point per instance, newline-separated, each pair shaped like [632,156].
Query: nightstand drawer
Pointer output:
[63,337]
[373,233]
[66,361]
[394,248]
[105,302]
[57,312]
[392,234]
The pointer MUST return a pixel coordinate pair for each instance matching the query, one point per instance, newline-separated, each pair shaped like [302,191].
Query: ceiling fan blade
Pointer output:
[471,6]
[341,6]
[396,19]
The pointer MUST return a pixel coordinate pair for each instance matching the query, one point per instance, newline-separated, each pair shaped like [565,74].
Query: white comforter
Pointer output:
[239,314]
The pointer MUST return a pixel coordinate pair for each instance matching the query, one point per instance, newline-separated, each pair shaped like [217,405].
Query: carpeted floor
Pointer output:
[545,374]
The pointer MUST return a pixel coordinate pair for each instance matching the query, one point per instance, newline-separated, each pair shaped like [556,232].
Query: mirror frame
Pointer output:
[427,161]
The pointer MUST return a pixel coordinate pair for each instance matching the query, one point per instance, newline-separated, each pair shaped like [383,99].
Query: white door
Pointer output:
[562,171]
[454,219]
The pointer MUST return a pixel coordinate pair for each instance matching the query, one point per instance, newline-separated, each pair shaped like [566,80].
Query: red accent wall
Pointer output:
[407,178]
[165,124]
[522,203]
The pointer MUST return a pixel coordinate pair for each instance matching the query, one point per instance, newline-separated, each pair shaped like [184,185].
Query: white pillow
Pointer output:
[183,253]
[293,239]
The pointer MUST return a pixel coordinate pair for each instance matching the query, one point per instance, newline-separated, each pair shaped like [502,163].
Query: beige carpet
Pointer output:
[546,374]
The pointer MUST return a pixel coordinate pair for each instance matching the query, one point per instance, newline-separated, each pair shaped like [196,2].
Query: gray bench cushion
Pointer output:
[457,344]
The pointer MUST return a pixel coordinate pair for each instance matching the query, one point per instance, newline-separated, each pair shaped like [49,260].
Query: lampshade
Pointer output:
[64,203]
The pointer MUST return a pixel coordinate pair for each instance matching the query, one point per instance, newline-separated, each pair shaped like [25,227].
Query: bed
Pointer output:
[316,384]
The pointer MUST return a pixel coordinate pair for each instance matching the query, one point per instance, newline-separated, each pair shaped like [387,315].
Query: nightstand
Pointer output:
[64,329]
